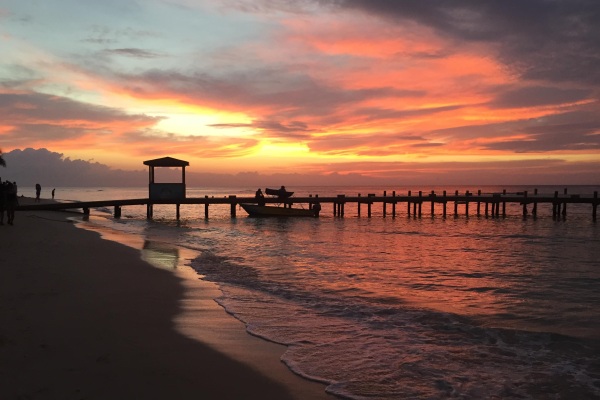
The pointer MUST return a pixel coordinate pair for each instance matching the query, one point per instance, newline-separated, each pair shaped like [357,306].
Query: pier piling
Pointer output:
[369,204]
[444,213]
[594,205]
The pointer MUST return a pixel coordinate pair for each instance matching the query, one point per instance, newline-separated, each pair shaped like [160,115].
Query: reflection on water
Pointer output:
[160,254]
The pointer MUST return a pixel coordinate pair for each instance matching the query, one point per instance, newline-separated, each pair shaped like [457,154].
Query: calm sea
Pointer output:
[395,308]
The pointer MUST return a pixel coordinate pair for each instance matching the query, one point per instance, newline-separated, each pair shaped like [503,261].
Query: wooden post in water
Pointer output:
[369,204]
[341,204]
[456,204]
[555,205]
[486,208]
[432,195]
[445,202]
[496,205]
[595,205]
[394,204]
[232,196]
[117,212]
[467,194]
[478,203]
[503,206]
[525,204]
[384,204]
[408,203]
[206,208]
[177,213]
[149,211]
[420,202]
[358,205]
[534,210]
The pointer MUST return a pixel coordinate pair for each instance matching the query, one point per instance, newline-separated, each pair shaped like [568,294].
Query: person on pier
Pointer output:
[260,197]
[282,192]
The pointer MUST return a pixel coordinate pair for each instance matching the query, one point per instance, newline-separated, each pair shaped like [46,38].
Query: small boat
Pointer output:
[255,210]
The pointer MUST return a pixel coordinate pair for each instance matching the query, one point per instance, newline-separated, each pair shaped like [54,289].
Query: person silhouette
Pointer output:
[11,201]
[317,208]
[282,192]
[260,197]
[38,191]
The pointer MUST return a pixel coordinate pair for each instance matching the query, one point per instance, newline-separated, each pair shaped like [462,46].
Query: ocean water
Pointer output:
[394,308]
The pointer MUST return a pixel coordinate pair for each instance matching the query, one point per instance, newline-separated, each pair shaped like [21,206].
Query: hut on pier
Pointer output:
[166,191]
[158,192]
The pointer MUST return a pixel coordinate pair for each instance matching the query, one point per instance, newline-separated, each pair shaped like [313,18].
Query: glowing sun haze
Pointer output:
[379,88]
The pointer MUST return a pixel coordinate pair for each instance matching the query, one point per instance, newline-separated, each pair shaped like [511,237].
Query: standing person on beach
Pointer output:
[38,191]
[53,193]
[11,201]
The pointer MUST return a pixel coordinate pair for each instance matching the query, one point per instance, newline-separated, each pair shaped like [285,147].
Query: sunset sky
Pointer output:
[378,88]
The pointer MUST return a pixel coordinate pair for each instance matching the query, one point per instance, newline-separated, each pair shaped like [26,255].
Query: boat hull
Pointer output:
[254,210]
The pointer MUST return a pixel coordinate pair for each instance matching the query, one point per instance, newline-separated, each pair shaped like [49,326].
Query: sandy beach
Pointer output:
[86,318]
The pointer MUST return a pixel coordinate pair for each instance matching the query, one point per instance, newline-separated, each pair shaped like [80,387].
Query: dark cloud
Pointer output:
[539,96]
[102,34]
[24,134]
[297,130]
[573,137]
[373,113]
[290,94]
[30,166]
[575,131]
[23,108]
[550,40]
[133,52]
[430,144]
[376,144]
[36,117]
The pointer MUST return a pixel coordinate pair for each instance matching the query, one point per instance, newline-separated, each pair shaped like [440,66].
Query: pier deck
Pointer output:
[493,204]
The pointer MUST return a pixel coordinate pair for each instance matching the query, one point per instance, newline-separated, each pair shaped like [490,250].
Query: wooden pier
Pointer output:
[491,205]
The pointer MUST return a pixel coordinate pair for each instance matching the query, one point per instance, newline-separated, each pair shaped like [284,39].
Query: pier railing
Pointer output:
[481,204]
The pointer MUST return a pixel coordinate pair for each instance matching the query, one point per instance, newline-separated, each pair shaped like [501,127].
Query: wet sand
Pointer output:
[85,318]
